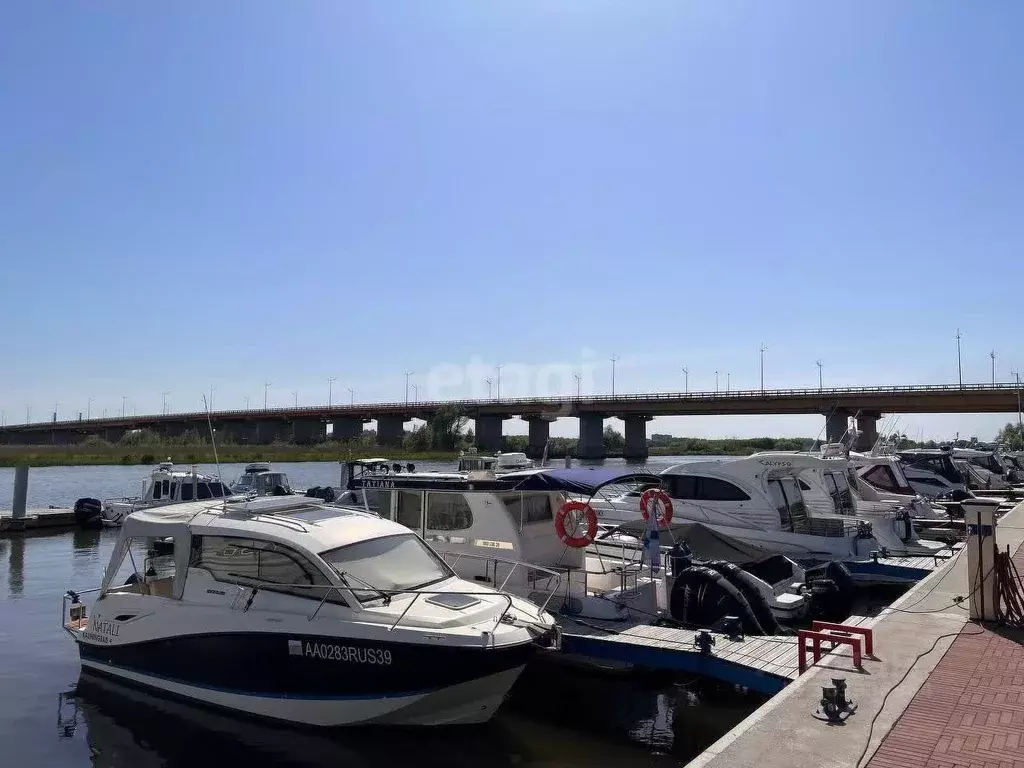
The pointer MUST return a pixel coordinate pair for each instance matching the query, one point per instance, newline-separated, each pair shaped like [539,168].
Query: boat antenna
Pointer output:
[213,442]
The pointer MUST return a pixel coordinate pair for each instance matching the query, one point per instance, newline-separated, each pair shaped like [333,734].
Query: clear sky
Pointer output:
[197,194]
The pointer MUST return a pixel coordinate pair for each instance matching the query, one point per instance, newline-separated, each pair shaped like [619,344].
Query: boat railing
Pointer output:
[388,594]
[73,596]
[514,565]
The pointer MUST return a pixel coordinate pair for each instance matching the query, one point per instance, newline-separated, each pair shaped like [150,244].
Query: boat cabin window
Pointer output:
[940,465]
[146,567]
[156,489]
[785,494]
[396,563]
[704,489]
[882,477]
[269,481]
[166,484]
[247,561]
[448,512]
[527,508]
[410,509]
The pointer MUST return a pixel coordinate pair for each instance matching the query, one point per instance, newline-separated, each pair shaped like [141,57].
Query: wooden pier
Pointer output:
[48,519]
[766,664]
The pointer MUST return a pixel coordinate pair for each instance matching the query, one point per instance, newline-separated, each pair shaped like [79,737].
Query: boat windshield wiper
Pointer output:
[380,594]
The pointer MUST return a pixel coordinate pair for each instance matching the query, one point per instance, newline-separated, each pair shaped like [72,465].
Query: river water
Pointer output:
[53,715]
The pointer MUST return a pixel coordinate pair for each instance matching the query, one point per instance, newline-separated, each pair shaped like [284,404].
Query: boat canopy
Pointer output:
[581,480]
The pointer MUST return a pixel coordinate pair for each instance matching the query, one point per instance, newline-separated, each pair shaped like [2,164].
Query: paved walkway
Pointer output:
[970,711]
[969,687]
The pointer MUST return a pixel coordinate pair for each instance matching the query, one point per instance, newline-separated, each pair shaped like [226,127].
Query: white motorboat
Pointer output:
[932,473]
[258,479]
[880,482]
[498,463]
[166,486]
[292,609]
[504,530]
[984,469]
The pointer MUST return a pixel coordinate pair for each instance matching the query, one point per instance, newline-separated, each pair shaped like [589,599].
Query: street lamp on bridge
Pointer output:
[351,396]
[686,379]
[88,409]
[959,362]
[763,348]
[164,396]
[266,386]
[407,375]
[818,363]
[614,359]
[330,389]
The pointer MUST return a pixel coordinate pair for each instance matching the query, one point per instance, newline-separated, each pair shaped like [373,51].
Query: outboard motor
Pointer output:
[89,513]
[748,587]
[703,597]
[832,593]
[679,558]
[314,492]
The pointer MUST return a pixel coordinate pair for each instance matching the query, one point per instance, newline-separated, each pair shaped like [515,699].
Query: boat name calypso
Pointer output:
[331,652]
[774,463]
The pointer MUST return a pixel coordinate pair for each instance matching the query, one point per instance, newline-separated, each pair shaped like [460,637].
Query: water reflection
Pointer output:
[16,566]
[553,718]
[126,727]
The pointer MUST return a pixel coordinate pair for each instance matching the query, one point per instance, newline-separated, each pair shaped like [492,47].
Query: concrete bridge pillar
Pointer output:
[390,431]
[113,434]
[836,424]
[240,432]
[540,432]
[347,429]
[636,437]
[267,431]
[173,428]
[591,445]
[488,433]
[308,431]
[867,425]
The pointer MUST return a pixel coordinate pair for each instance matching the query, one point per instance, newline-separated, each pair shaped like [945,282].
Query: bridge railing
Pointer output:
[358,410]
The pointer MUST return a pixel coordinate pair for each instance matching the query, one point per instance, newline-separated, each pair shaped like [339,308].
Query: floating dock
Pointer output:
[48,519]
[943,692]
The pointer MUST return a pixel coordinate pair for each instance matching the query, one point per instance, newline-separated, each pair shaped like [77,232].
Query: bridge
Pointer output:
[308,424]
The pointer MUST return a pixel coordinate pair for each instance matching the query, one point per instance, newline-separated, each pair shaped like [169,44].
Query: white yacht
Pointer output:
[536,533]
[166,485]
[759,500]
[292,609]
[836,489]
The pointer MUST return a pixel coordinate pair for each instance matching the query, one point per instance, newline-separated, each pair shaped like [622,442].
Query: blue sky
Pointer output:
[234,192]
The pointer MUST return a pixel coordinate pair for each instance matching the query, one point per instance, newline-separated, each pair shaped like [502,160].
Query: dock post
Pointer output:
[20,492]
[980,519]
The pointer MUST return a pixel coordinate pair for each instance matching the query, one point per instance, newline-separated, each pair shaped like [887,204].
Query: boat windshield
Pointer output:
[389,564]
[244,482]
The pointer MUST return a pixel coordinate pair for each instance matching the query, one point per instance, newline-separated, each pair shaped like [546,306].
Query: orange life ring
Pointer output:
[574,508]
[652,494]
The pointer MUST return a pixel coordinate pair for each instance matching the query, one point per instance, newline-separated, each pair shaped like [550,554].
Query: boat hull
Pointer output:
[318,680]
